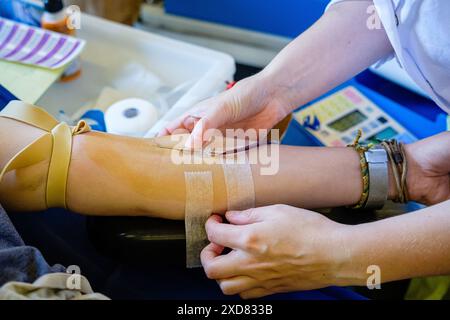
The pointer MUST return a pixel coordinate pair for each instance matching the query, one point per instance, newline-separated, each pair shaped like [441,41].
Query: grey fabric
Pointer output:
[19,262]
[24,273]
[52,286]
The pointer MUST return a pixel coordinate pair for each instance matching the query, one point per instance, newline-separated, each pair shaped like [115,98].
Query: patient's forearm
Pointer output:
[311,178]
[112,175]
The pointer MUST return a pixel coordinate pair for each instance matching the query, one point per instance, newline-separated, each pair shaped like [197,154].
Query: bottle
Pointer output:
[55,19]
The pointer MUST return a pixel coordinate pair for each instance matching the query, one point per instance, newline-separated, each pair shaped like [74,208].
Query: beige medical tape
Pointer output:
[199,206]
[200,203]
[240,187]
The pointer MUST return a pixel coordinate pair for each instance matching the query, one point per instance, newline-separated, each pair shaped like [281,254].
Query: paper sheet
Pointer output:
[29,45]
[27,83]
[32,59]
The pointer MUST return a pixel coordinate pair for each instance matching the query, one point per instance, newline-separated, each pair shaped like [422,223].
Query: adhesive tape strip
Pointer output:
[199,206]
[239,185]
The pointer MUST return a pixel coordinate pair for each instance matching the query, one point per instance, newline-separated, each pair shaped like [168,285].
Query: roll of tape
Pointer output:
[131,117]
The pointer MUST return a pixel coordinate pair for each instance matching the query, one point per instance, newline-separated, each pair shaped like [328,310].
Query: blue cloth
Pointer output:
[19,262]
[5,97]
[22,11]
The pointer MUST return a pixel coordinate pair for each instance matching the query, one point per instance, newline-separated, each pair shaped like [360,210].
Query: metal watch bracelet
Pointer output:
[377,161]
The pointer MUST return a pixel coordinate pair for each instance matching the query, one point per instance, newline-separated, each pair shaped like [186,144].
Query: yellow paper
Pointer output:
[27,83]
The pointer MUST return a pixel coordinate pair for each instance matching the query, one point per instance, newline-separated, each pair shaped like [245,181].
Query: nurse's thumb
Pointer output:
[199,136]
[248,216]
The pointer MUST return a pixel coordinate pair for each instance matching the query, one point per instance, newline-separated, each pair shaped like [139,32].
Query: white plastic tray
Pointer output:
[116,53]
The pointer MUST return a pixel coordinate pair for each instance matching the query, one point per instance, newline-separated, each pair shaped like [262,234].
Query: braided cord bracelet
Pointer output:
[361,149]
[397,158]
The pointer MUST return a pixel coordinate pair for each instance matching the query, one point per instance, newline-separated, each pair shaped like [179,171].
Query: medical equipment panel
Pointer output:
[336,119]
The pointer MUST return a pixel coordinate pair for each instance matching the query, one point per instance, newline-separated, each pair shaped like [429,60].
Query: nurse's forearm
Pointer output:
[336,48]
[411,245]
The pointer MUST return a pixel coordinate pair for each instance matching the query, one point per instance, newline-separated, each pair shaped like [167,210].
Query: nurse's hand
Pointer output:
[429,169]
[251,103]
[275,249]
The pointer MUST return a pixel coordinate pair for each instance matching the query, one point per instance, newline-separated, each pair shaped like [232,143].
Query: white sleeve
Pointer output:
[332,2]
[381,61]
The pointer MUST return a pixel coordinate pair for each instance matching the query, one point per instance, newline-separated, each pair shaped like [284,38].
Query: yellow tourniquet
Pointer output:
[58,136]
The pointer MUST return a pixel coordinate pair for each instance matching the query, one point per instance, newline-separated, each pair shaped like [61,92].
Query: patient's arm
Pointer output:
[112,175]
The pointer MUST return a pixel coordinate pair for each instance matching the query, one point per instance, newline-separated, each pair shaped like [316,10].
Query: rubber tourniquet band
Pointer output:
[58,137]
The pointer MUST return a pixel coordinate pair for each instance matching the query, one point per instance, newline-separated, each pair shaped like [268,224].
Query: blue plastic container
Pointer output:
[280,17]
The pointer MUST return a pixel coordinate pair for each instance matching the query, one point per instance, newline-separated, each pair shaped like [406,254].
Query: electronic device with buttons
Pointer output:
[336,119]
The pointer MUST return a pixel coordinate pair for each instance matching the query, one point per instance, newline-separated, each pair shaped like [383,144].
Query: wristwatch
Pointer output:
[377,161]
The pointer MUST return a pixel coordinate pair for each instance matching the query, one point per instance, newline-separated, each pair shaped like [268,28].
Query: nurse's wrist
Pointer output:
[267,91]
[279,87]
[393,193]
[414,172]
[392,190]
[415,175]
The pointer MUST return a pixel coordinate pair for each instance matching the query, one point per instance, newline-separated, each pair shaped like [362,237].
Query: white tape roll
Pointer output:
[131,117]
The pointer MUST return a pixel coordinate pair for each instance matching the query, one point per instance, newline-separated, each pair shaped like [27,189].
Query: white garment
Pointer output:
[419,31]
